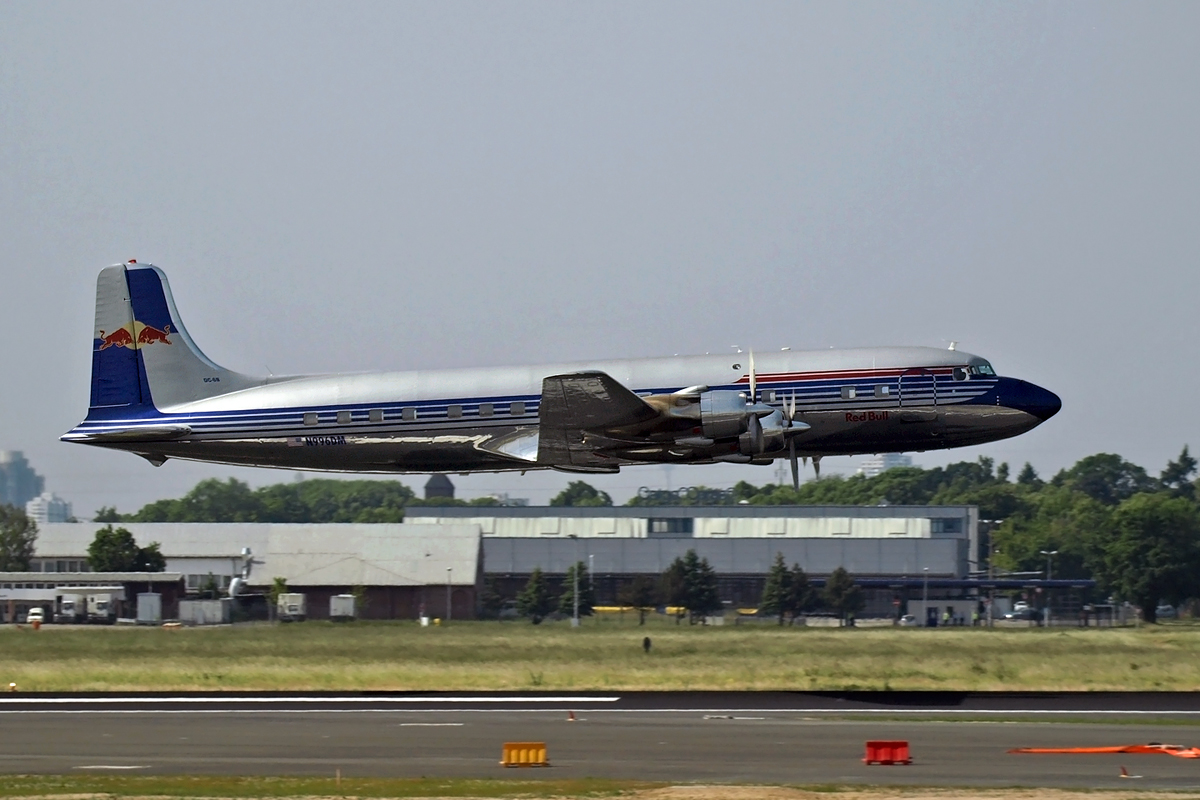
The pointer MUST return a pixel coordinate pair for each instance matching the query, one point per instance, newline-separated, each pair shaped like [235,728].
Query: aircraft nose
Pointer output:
[1034,400]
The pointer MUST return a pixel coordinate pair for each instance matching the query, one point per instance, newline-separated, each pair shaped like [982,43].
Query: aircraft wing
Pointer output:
[576,411]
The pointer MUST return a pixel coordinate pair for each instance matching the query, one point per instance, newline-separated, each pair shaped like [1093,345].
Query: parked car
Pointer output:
[908,621]
[1025,613]
[1165,612]
[35,615]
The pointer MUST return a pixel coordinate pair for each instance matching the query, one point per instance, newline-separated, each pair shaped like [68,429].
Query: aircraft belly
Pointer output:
[853,432]
[409,451]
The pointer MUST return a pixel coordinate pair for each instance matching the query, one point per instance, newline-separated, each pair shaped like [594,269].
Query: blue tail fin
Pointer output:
[143,359]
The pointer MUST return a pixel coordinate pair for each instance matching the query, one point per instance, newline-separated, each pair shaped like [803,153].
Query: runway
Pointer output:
[793,738]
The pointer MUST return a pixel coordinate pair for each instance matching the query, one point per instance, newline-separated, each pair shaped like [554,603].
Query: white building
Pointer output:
[48,507]
[876,465]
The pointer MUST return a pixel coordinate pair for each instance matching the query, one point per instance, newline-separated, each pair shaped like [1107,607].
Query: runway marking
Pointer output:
[315,700]
[781,714]
[431,724]
[110,766]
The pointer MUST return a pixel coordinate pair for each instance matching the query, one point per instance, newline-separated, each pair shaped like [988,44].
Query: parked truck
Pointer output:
[292,607]
[101,608]
[71,609]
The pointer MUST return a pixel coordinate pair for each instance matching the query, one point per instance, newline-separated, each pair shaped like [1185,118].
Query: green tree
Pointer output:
[1107,478]
[18,533]
[151,559]
[535,601]
[1177,477]
[674,587]
[310,501]
[1029,476]
[801,596]
[842,594]
[278,587]
[641,593]
[1154,552]
[777,589]
[107,514]
[587,597]
[579,493]
[490,601]
[703,598]
[113,550]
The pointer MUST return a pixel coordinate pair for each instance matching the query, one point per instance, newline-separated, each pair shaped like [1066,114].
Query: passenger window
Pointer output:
[486,409]
[375,415]
[960,373]
[768,396]
[516,409]
[453,411]
[849,392]
[344,418]
[408,414]
[883,390]
[310,418]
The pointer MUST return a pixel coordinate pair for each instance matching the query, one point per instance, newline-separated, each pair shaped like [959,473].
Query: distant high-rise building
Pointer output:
[18,482]
[48,507]
[881,463]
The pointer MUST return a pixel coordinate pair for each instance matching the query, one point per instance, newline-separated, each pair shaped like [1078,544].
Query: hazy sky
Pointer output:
[353,186]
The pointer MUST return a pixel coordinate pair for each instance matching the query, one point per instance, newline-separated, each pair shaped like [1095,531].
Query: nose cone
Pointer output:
[1032,399]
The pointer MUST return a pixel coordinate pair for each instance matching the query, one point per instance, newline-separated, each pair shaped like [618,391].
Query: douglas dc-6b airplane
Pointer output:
[155,394]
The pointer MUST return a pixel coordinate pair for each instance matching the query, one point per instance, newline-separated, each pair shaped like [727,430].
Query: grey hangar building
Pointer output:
[439,559]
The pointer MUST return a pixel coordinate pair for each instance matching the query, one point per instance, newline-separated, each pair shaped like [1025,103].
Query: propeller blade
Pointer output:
[795,466]
[753,381]
[789,411]
[817,466]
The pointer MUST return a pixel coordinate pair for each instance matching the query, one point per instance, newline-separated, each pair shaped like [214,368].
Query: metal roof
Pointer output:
[676,512]
[370,555]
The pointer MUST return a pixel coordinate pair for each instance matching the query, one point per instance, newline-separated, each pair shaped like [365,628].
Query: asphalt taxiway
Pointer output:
[795,738]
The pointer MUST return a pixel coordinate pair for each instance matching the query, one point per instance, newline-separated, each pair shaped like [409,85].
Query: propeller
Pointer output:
[753,380]
[789,412]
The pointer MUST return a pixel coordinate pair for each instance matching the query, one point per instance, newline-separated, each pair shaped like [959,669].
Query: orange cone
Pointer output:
[570,716]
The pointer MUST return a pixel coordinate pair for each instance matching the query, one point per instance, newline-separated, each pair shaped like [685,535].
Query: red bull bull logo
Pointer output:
[140,336]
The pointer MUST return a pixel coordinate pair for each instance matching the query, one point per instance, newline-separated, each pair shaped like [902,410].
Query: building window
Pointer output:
[453,411]
[945,525]
[883,390]
[670,526]
[516,409]
[849,392]
[344,418]
[375,415]
[408,414]
[486,409]
[310,418]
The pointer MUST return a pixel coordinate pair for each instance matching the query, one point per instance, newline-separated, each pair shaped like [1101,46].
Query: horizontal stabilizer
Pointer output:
[143,433]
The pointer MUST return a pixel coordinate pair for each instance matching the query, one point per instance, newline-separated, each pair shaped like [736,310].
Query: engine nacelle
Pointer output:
[763,435]
[724,415]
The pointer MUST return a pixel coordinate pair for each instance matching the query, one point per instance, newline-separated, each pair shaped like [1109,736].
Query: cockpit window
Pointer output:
[983,369]
[960,373]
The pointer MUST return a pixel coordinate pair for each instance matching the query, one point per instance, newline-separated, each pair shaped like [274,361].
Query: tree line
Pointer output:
[688,587]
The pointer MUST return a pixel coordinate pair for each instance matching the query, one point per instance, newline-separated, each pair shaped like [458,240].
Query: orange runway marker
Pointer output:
[1179,751]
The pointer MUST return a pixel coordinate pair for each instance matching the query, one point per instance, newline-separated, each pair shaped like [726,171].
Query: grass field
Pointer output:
[597,656]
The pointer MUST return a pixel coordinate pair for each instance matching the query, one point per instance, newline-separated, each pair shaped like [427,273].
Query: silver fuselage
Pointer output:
[854,401]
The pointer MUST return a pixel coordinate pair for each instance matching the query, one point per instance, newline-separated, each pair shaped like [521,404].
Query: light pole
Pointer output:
[575,586]
[449,583]
[925,597]
[1049,554]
